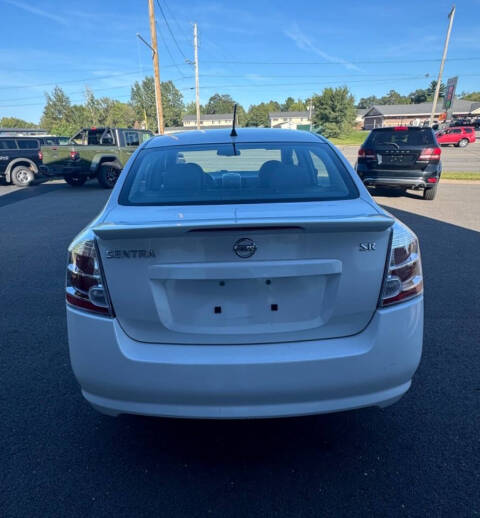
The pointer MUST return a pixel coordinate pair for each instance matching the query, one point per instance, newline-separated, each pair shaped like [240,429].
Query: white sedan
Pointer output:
[243,276]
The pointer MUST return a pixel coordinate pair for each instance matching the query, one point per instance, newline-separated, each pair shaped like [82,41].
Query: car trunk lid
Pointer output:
[175,276]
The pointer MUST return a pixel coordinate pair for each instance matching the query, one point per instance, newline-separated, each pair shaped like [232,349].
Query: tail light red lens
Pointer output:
[73,155]
[366,153]
[85,287]
[403,279]
[40,155]
[400,128]
[430,153]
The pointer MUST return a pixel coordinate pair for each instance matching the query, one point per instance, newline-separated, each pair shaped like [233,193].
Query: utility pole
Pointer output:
[310,106]
[156,72]
[197,87]
[442,64]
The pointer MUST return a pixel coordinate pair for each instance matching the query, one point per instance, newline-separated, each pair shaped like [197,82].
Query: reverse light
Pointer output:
[366,153]
[403,278]
[430,153]
[85,287]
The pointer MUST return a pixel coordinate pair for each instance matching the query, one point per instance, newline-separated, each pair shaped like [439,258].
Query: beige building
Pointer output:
[212,121]
[381,116]
[288,120]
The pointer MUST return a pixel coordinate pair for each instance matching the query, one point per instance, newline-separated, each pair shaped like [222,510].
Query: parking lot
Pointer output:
[60,457]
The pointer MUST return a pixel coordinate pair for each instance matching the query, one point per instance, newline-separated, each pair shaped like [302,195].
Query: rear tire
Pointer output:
[108,175]
[429,194]
[76,181]
[463,143]
[22,176]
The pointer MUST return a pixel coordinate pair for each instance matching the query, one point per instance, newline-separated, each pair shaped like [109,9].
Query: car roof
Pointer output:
[244,135]
[409,128]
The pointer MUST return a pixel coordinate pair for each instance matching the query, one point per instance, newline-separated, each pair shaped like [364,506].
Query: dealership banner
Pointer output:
[450,93]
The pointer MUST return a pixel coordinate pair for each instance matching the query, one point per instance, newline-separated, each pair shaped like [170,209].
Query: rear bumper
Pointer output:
[120,375]
[398,182]
[407,178]
[63,171]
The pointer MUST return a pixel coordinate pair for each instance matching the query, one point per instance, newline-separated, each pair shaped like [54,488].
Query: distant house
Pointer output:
[379,116]
[359,118]
[288,120]
[22,132]
[212,121]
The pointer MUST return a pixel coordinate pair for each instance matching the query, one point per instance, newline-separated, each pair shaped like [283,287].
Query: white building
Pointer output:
[288,120]
[209,121]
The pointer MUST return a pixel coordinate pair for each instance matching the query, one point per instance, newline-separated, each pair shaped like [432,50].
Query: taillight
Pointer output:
[73,155]
[400,128]
[40,155]
[85,287]
[430,153]
[403,277]
[366,153]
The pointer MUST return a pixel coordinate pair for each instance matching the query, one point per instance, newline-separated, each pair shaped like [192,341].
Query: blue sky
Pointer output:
[370,46]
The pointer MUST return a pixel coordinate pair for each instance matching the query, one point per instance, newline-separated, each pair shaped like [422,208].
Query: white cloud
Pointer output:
[36,10]
[303,42]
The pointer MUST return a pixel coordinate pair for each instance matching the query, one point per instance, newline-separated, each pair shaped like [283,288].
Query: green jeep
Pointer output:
[93,152]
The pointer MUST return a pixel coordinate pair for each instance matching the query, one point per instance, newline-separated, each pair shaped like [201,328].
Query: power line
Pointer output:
[174,18]
[57,83]
[318,83]
[345,62]
[168,50]
[171,32]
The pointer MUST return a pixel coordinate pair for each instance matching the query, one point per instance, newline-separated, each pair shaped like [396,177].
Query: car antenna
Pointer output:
[233,133]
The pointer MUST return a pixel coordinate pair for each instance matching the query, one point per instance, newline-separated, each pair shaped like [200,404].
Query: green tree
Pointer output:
[368,102]
[142,97]
[13,122]
[298,106]
[431,90]
[79,117]
[93,107]
[287,105]
[334,111]
[472,96]
[143,101]
[393,97]
[172,102]
[191,109]
[120,115]
[219,103]
[257,114]
[57,113]
[418,96]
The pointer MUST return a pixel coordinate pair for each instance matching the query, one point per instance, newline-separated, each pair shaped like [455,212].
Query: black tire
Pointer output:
[429,194]
[463,143]
[108,174]
[76,181]
[22,176]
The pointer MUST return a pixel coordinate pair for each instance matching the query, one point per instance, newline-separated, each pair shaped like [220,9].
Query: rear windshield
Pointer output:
[401,137]
[240,173]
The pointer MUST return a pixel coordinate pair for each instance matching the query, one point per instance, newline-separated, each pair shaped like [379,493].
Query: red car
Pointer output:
[460,136]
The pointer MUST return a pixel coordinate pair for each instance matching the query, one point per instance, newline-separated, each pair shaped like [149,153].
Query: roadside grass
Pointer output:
[355,138]
[460,175]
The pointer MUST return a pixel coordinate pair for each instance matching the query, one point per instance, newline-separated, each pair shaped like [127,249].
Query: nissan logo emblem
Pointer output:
[244,247]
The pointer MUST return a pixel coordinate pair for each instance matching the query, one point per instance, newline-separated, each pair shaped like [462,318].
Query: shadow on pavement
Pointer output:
[37,189]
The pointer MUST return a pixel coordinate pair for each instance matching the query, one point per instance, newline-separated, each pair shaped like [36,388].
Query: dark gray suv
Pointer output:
[401,157]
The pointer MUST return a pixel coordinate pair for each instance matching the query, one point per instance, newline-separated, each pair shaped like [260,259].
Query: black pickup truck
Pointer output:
[93,153]
[20,159]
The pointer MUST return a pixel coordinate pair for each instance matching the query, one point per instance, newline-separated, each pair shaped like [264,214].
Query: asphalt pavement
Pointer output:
[59,457]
